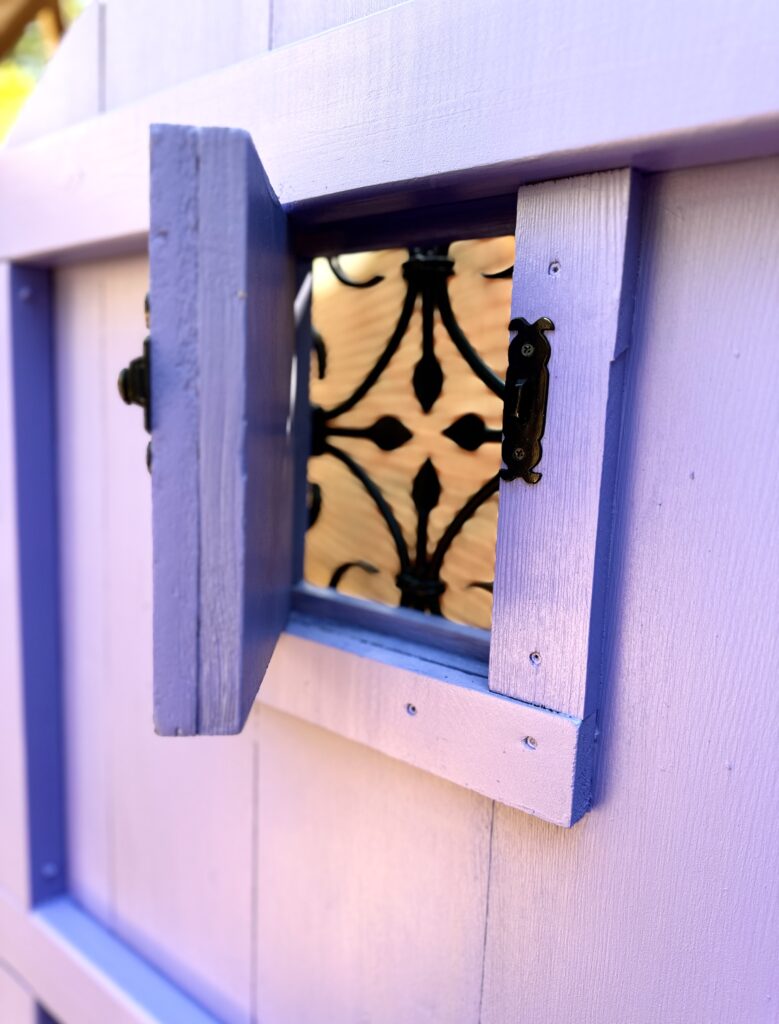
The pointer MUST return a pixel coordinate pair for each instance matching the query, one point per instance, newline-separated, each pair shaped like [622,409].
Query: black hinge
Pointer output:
[524,400]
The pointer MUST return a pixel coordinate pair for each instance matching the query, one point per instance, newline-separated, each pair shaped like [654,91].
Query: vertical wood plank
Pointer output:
[151,822]
[81,334]
[39,583]
[14,872]
[371,885]
[654,907]
[575,263]
[246,344]
[173,249]
[221,352]
[181,812]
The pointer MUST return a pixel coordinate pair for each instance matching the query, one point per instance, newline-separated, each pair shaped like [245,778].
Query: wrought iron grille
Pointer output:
[406,414]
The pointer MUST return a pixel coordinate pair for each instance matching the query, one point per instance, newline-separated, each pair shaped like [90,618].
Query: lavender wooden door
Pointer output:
[343,859]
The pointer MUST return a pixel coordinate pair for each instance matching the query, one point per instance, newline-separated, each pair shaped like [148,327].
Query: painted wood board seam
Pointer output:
[486,914]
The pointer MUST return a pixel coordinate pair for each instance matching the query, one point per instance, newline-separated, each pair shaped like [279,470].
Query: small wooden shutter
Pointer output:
[222,341]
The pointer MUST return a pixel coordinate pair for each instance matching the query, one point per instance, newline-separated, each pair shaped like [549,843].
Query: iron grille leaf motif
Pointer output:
[426,272]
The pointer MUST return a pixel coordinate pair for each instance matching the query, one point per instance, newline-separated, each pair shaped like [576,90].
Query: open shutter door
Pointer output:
[222,341]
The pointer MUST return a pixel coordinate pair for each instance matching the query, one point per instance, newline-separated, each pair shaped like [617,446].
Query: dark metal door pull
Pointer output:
[524,402]
[134,384]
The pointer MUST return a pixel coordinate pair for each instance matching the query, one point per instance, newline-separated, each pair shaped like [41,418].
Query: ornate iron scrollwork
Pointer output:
[426,273]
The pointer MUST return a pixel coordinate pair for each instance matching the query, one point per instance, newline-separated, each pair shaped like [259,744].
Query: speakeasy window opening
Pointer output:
[407,367]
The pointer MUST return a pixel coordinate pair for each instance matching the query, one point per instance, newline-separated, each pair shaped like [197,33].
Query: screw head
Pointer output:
[527,349]
[519,454]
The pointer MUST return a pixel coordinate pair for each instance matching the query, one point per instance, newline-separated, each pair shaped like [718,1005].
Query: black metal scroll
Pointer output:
[426,272]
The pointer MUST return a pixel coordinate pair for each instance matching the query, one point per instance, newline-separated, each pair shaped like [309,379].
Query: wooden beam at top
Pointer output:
[528,91]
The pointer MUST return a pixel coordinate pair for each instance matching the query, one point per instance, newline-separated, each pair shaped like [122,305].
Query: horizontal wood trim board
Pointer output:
[341,133]
[449,723]
[82,973]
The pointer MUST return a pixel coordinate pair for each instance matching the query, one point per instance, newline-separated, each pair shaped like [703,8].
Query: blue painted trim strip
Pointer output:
[138,980]
[445,640]
[39,597]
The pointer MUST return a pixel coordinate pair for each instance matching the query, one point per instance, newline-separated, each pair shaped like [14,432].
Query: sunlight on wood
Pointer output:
[355,325]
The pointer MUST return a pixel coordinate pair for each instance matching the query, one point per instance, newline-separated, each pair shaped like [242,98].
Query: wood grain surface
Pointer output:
[137,802]
[656,907]
[576,264]
[221,288]
[648,87]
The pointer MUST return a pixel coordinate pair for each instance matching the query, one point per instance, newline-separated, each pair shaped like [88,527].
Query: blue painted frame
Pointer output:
[33,357]
[32,354]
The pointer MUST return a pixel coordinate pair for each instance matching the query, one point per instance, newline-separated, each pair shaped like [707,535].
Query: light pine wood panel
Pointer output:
[292,20]
[575,265]
[17,1005]
[355,325]
[152,44]
[658,905]
[150,822]
[13,769]
[371,884]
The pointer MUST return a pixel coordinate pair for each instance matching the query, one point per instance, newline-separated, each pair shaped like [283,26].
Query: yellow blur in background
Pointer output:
[30,31]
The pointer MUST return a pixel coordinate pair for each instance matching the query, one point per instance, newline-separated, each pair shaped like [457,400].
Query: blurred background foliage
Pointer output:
[30,31]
